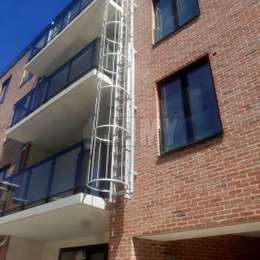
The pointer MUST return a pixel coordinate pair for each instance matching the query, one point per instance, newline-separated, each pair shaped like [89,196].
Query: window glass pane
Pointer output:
[3,90]
[173,119]
[39,180]
[189,111]
[166,19]
[38,95]
[3,172]
[71,13]
[205,121]
[171,14]
[73,255]
[58,81]
[97,256]
[22,108]
[84,3]
[65,172]
[81,64]
[53,32]
[187,9]
[39,45]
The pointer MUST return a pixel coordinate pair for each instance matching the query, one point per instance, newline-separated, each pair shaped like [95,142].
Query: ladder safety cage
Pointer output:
[111,156]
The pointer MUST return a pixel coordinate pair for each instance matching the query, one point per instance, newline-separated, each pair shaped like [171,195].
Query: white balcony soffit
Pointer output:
[83,29]
[61,120]
[75,216]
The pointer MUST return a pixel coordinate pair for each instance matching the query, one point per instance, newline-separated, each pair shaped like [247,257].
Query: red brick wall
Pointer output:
[214,183]
[3,250]
[215,248]
[9,149]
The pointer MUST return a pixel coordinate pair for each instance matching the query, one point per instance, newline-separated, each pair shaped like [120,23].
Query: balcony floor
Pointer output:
[75,216]
[61,120]
[82,30]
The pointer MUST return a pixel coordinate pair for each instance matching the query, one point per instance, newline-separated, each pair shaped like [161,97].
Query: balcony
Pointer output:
[78,24]
[56,110]
[50,190]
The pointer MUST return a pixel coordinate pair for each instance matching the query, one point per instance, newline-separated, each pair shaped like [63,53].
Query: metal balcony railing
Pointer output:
[58,25]
[76,67]
[59,176]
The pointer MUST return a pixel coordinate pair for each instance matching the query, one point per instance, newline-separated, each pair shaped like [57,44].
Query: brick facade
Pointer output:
[9,149]
[210,184]
[214,183]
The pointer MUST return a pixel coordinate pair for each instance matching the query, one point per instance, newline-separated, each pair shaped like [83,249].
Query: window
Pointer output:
[4,172]
[170,15]
[188,106]
[4,89]
[26,77]
[23,157]
[95,252]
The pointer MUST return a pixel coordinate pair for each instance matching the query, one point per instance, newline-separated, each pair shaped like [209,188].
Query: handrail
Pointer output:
[47,88]
[59,23]
[61,173]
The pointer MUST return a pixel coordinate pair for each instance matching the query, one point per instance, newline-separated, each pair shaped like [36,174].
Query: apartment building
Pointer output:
[131,131]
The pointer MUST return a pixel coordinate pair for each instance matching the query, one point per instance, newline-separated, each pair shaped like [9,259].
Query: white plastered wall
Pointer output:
[23,249]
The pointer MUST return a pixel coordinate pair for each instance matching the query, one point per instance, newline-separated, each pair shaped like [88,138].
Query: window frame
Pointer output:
[170,78]
[3,91]
[27,76]
[5,170]
[88,249]
[179,27]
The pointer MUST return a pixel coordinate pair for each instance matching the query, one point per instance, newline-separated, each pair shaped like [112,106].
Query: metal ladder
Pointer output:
[111,156]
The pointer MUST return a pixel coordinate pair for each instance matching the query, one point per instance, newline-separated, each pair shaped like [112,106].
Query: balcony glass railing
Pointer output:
[58,24]
[59,176]
[47,88]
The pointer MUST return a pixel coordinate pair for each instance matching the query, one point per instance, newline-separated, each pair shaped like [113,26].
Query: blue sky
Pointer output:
[20,23]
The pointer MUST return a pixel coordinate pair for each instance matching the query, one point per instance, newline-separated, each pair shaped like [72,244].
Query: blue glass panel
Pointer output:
[38,185]
[166,17]
[173,116]
[22,108]
[187,9]
[58,81]
[205,121]
[65,171]
[3,90]
[82,64]
[38,95]
[84,3]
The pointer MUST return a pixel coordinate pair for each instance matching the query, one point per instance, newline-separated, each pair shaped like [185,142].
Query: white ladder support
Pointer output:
[111,155]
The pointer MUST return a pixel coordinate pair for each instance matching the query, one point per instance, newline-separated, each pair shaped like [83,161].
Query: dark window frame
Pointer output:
[90,248]
[177,24]
[23,156]
[4,89]
[4,170]
[170,78]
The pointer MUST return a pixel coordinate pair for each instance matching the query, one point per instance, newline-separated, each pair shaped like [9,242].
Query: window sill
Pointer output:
[193,144]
